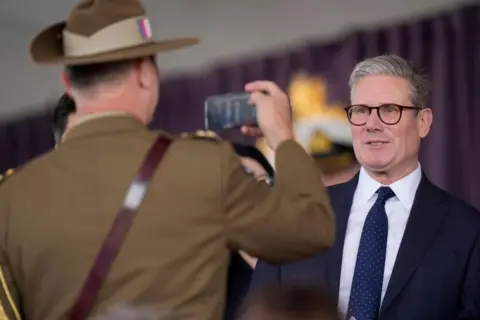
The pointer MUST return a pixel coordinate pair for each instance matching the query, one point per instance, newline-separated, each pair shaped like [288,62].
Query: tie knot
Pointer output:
[384,193]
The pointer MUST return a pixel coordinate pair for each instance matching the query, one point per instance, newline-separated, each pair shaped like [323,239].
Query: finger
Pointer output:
[266,86]
[251,131]
[258,98]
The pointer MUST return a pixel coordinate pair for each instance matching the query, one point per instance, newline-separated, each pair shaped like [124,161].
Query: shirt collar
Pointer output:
[105,123]
[404,188]
[80,120]
[97,115]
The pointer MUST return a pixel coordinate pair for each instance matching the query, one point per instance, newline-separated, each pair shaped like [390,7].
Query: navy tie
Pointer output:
[366,291]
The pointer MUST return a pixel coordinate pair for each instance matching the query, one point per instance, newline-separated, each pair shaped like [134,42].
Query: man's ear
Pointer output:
[66,83]
[145,73]
[425,119]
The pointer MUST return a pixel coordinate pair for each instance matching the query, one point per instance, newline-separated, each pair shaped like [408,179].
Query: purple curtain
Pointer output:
[446,46]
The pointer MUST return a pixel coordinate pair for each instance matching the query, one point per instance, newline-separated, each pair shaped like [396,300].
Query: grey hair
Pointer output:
[391,65]
[128,312]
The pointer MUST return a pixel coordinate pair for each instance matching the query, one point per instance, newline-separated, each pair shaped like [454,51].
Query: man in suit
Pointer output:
[57,210]
[404,248]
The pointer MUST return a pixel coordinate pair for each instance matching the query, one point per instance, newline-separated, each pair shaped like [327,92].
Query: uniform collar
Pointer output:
[103,123]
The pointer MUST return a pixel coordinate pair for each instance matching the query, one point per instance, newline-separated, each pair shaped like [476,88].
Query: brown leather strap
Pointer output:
[122,223]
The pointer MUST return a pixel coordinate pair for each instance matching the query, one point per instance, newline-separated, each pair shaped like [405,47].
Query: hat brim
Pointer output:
[47,49]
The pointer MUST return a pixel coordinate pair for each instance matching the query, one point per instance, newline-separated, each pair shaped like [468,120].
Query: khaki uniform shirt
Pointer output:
[56,211]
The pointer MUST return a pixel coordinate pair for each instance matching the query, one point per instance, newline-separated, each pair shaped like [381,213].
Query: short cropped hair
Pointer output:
[87,76]
[391,65]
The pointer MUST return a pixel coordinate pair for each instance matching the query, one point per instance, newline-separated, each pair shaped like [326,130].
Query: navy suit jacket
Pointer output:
[437,270]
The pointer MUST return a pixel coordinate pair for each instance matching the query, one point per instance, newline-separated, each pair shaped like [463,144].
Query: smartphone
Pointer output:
[227,111]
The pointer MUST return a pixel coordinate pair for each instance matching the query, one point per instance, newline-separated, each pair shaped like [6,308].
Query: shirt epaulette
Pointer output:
[7,174]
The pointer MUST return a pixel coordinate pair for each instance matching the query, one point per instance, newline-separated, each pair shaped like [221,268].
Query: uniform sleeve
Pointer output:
[9,295]
[291,221]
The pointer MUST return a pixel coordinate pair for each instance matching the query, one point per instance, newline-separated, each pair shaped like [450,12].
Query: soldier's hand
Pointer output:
[273,113]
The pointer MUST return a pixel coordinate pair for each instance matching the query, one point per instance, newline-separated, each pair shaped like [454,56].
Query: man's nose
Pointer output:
[373,122]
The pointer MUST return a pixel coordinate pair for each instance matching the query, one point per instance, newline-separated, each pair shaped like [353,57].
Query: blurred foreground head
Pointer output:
[290,302]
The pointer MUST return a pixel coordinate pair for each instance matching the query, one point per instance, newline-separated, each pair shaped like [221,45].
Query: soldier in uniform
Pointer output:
[241,264]
[56,212]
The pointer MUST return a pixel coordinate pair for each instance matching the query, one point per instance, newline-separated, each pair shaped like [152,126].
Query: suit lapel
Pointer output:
[426,218]
[341,197]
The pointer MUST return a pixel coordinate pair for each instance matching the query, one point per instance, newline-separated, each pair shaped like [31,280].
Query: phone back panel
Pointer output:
[227,111]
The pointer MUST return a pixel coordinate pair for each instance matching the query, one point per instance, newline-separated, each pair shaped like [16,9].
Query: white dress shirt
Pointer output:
[397,209]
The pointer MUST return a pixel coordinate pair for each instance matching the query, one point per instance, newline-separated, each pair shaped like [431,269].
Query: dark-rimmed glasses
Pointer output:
[389,113]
